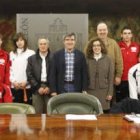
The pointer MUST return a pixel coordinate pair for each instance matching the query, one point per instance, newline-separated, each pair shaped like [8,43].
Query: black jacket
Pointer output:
[127,105]
[57,73]
[34,68]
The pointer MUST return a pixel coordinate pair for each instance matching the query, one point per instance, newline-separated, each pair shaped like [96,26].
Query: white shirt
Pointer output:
[18,65]
[97,57]
[134,81]
[43,71]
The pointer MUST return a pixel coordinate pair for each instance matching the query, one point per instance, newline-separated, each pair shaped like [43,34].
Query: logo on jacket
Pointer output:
[133,49]
[2,61]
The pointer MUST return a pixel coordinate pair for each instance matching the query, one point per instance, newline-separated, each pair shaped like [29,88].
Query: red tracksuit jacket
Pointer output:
[5,92]
[130,57]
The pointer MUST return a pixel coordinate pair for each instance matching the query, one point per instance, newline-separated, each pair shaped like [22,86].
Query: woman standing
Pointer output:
[100,68]
[19,85]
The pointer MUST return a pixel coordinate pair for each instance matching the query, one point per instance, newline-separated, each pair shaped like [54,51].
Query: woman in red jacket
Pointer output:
[5,93]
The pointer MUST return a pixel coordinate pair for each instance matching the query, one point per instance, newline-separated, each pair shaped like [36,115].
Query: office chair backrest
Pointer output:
[127,105]
[74,103]
[15,108]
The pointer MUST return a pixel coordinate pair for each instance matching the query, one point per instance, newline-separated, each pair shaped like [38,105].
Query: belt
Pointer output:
[69,82]
[43,82]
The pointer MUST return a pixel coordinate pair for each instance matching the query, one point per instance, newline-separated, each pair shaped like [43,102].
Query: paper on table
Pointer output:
[133,117]
[137,120]
[80,117]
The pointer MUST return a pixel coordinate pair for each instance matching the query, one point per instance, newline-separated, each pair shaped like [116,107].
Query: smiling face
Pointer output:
[43,45]
[69,42]
[102,31]
[96,47]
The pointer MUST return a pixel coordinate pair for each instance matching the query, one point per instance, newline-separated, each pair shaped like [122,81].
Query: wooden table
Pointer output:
[42,127]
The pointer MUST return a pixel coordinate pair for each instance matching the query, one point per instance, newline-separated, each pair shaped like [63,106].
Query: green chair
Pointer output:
[16,108]
[74,103]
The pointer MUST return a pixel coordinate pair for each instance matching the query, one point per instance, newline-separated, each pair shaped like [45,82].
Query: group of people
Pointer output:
[103,71]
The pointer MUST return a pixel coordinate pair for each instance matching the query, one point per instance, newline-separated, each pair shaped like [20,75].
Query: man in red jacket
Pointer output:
[5,92]
[129,50]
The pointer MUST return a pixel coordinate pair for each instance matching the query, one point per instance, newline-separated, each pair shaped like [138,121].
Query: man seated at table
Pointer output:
[134,80]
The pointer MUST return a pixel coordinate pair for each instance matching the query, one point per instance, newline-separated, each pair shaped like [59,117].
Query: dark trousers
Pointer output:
[69,87]
[18,96]
[122,91]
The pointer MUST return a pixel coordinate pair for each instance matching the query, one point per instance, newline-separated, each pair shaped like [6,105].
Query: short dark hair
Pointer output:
[69,35]
[126,28]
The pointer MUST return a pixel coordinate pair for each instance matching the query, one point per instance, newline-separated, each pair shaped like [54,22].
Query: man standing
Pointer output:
[113,50]
[68,68]
[129,52]
[37,74]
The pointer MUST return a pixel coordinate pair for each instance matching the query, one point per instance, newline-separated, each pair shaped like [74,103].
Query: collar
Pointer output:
[43,55]
[19,51]
[72,51]
[97,57]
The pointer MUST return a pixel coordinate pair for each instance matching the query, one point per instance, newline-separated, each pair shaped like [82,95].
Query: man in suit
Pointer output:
[68,68]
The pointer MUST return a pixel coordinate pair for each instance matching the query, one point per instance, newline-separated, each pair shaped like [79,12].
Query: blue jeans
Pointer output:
[69,87]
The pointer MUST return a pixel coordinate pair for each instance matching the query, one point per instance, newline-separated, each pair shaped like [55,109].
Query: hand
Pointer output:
[109,98]
[117,81]
[53,94]
[84,92]
[41,90]
[22,85]
[46,90]
[16,85]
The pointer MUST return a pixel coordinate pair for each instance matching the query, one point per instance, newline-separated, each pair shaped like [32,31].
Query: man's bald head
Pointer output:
[102,30]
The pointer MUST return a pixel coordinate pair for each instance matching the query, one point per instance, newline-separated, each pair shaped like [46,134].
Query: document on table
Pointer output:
[133,117]
[80,117]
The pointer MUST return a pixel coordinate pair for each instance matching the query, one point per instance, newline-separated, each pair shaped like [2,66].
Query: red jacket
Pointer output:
[5,92]
[130,57]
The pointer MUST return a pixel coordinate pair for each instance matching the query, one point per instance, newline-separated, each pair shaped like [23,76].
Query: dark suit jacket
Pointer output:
[57,72]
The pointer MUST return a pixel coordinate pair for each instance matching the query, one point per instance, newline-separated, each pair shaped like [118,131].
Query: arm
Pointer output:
[30,76]
[118,64]
[84,74]
[7,71]
[110,79]
[52,75]
[132,86]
